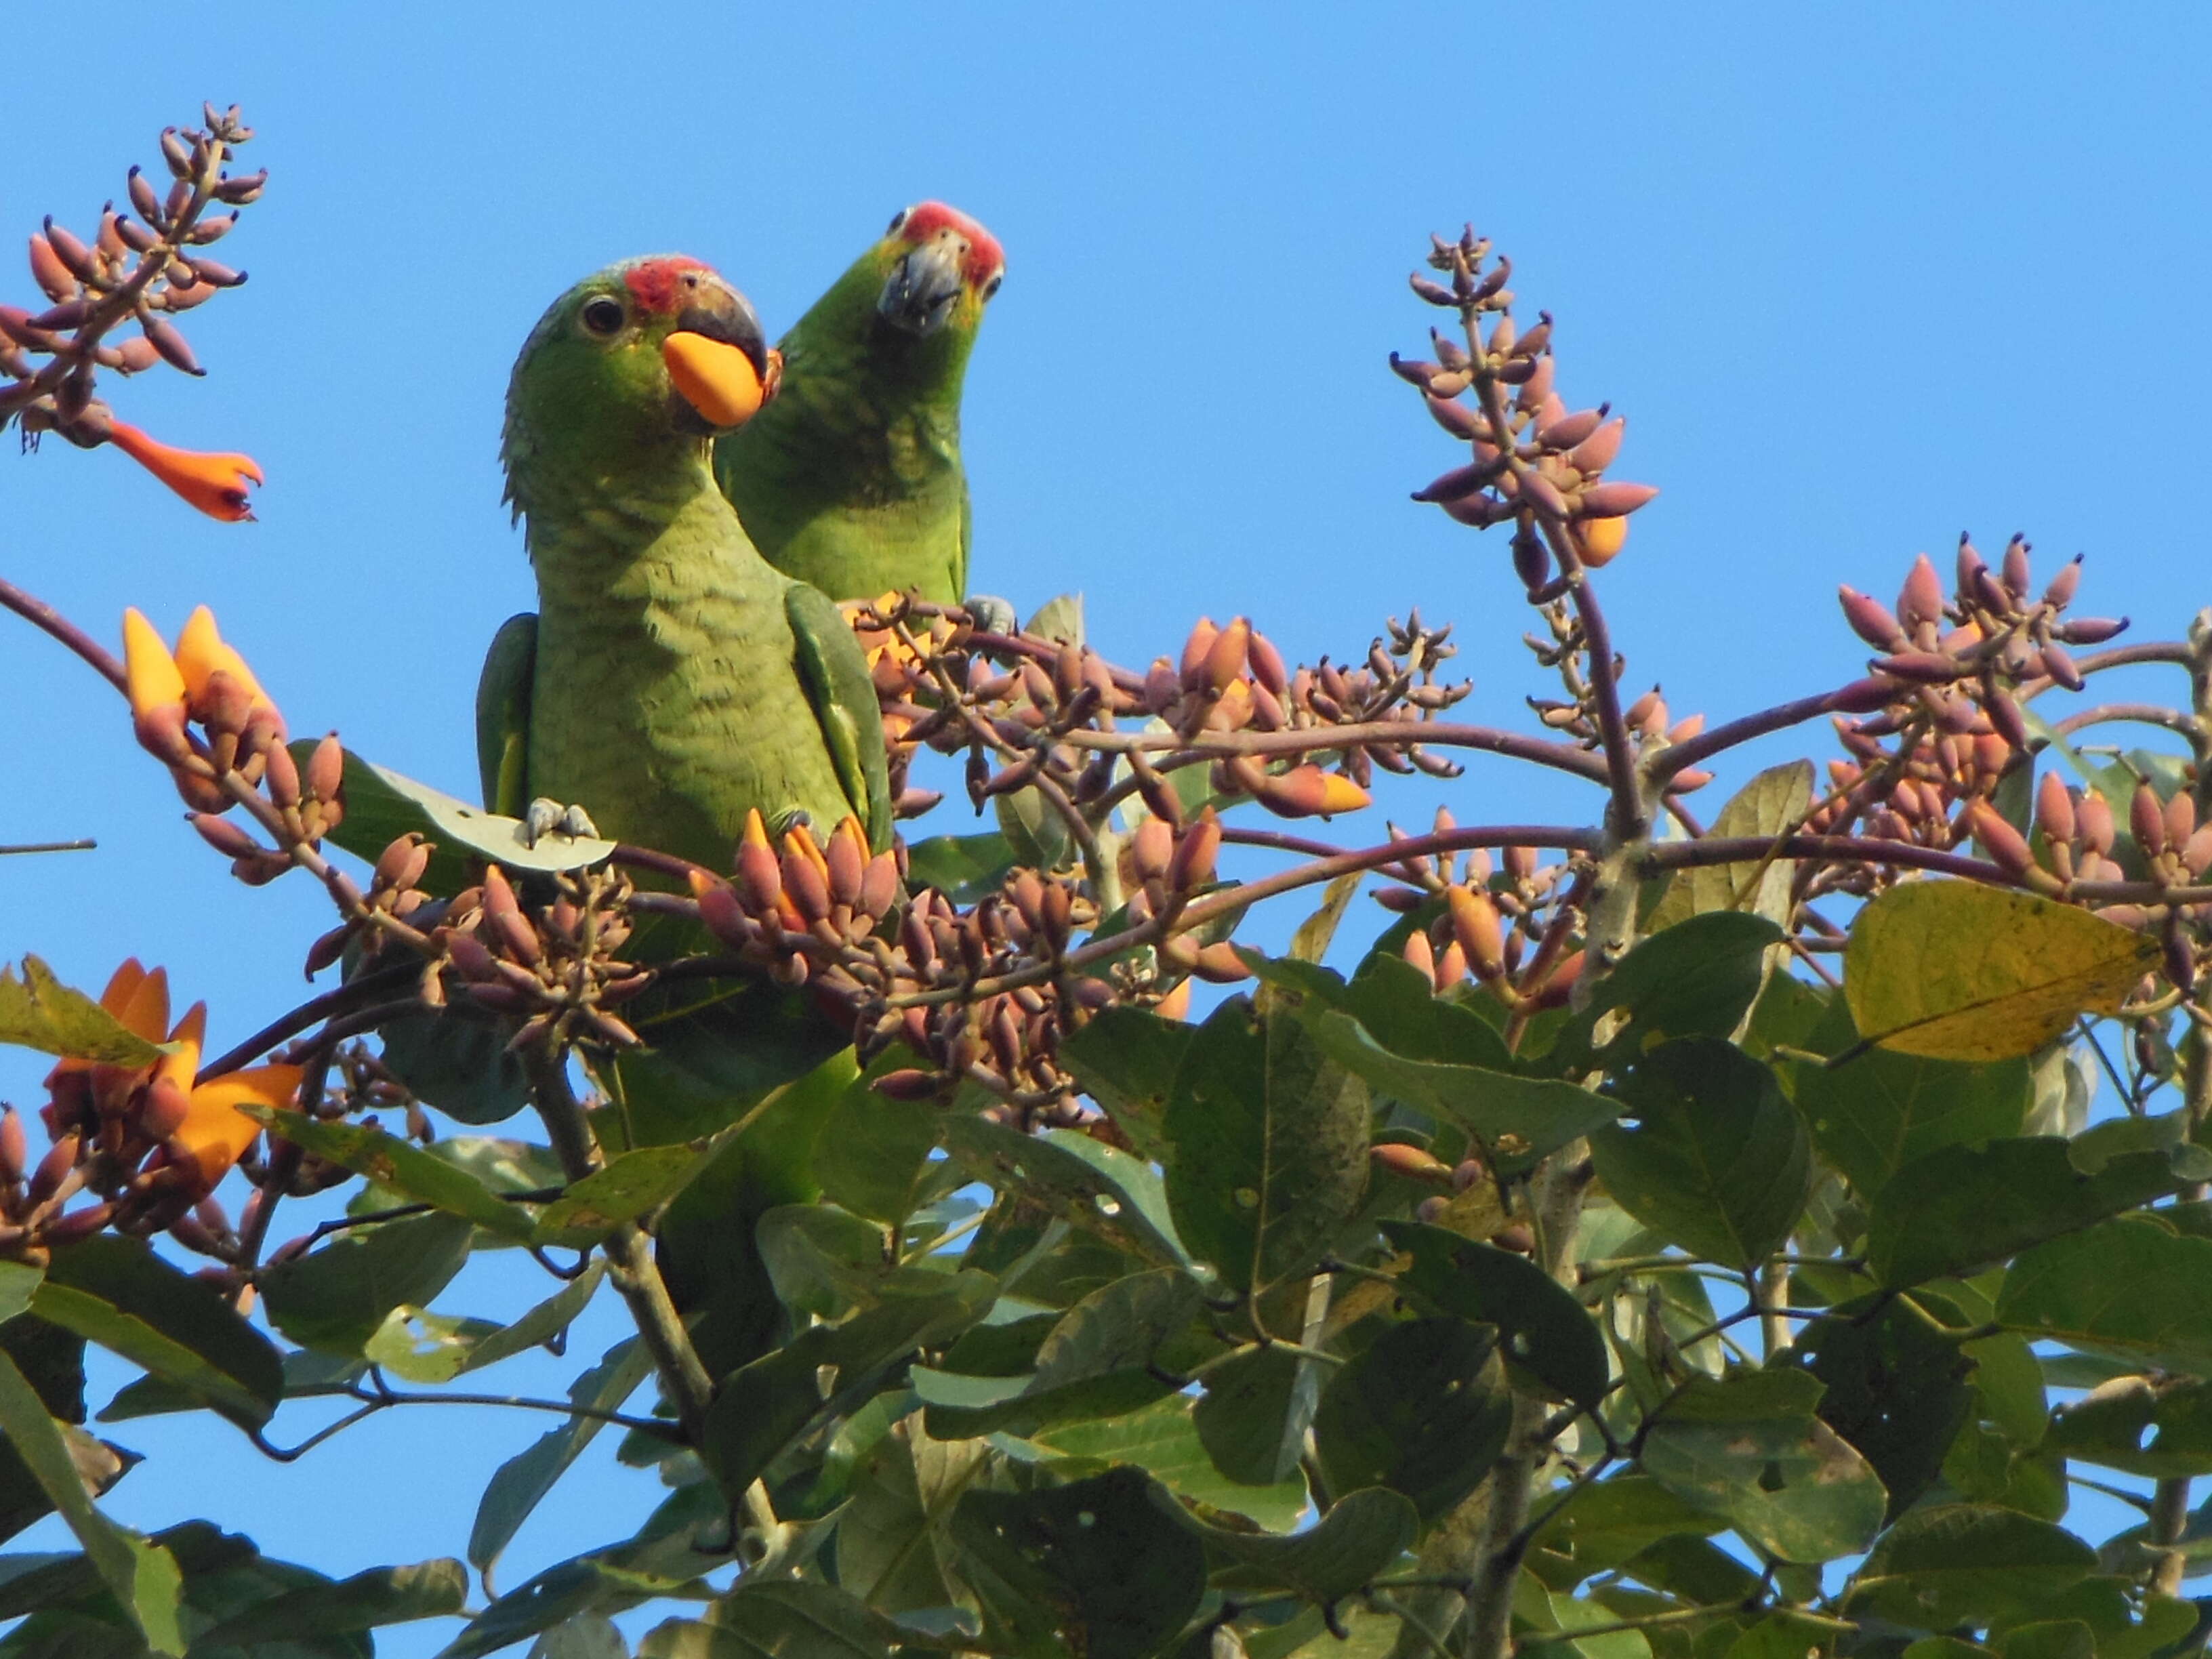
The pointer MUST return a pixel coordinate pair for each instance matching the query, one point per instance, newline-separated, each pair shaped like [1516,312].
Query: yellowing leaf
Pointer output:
[1955,970]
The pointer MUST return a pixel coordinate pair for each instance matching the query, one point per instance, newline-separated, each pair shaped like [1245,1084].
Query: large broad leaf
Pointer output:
[142,1576]
[540,1325]
[1956,970]
[1963,1204]
[559,1593]
[1894,1388]
[1614,1521]
[1268,1146]
[1162,1440]
[1363,1533]
[401,1165]
[1717,1162]
[893,1546]
[39,1012]
[381,805]
[874,1150]
[339,1298]
[1698,979]
[1084,1182]
[367,1601]
[2129,1286]
[964,868]
[1125,1060]
[1967,1563]
[117,1293]
[1878,1110]
[520,1482]
[760,1409]
[1101,1565]
[1252,1418]
[632,1185]
[1771,804]
[457,1059]
[1424,1411]
[2110,1426]
[1542,1328]
[778,1618]
[1100,1360]
[1518,1120]
[1751,1450]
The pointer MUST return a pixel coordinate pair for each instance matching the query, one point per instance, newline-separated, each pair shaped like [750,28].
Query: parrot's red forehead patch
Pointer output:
[986,259]
[658,285]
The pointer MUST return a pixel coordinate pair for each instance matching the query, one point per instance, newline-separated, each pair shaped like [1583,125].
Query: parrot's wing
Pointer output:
[967,541]
[835,675]
[503,715]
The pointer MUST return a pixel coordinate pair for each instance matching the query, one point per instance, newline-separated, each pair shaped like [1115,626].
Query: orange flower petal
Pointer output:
[214,1134]
[196,650]
[120,984]
[149,672]
[214,483]
[182,1063]
[146,1013]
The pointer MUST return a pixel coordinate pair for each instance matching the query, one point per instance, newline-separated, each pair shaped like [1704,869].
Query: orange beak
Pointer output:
[717,380]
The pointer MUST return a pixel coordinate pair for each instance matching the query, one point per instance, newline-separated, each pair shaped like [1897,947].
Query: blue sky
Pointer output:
[1860,278]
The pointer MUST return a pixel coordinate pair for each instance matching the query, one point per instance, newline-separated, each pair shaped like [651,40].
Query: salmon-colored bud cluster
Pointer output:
[557,967]
[145,1145]
[145,270]
[1535,460]
[1504,926]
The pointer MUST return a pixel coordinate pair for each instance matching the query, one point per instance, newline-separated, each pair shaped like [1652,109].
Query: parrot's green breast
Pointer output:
[666,699]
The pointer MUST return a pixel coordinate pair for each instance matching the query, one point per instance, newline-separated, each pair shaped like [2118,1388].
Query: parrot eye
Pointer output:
[897,219]
[992,286]
[603,316]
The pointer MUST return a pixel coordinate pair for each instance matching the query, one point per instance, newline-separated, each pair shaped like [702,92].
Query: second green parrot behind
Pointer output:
[672,680]
[852,479]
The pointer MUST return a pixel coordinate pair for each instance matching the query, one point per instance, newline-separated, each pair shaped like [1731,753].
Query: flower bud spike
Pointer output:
[2146,820]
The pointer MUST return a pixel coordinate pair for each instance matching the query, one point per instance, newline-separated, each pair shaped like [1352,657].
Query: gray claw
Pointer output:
[546,816]
[992,614]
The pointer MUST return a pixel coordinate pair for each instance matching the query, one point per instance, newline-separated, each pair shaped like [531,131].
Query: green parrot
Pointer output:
[851,479]
[671,679]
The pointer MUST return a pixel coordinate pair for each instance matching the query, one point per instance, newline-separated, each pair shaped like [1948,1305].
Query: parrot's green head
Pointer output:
[632,369]
[906,312]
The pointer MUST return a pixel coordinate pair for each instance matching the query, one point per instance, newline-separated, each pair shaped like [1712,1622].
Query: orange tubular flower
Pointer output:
[164,686]
[201,651]
[214,484]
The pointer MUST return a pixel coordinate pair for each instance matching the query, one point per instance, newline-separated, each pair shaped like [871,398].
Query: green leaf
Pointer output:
[1962,1206]
[778,1618]
[1750,1450]
[1252,1419]
[1085,1182]
[1616,1519]
[456,1058]
[763,1408]
[559,1593]
[1518,1120]
[19,1282]
[117,1293]
[2125,1286]
[873,1150]
[523,1480]
[1894,1388]
[1268,1145]
[631,1185]
[1101,1564]
[399,1164]
[1162,1440]
[1771,804]
[1956,970]
[821,1260]
[1098,1361]
[1034,828]
[1718,1161]
[1698,979]
[892,1547]
[1361,1535]
[1125,1060]
[581,1636]
[2108,1427]
[381,805]
[1542,1328]
[964,868]
[382,1595]
[1422,1411]
[1060,617]
[1879,1110]
[39,1012]
[1967,1563]
[336,1299]
[541,1324]
[142,1576]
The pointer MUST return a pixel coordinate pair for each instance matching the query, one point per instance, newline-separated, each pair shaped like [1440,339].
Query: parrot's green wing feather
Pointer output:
[844,698]
[503,715]
[967,541]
